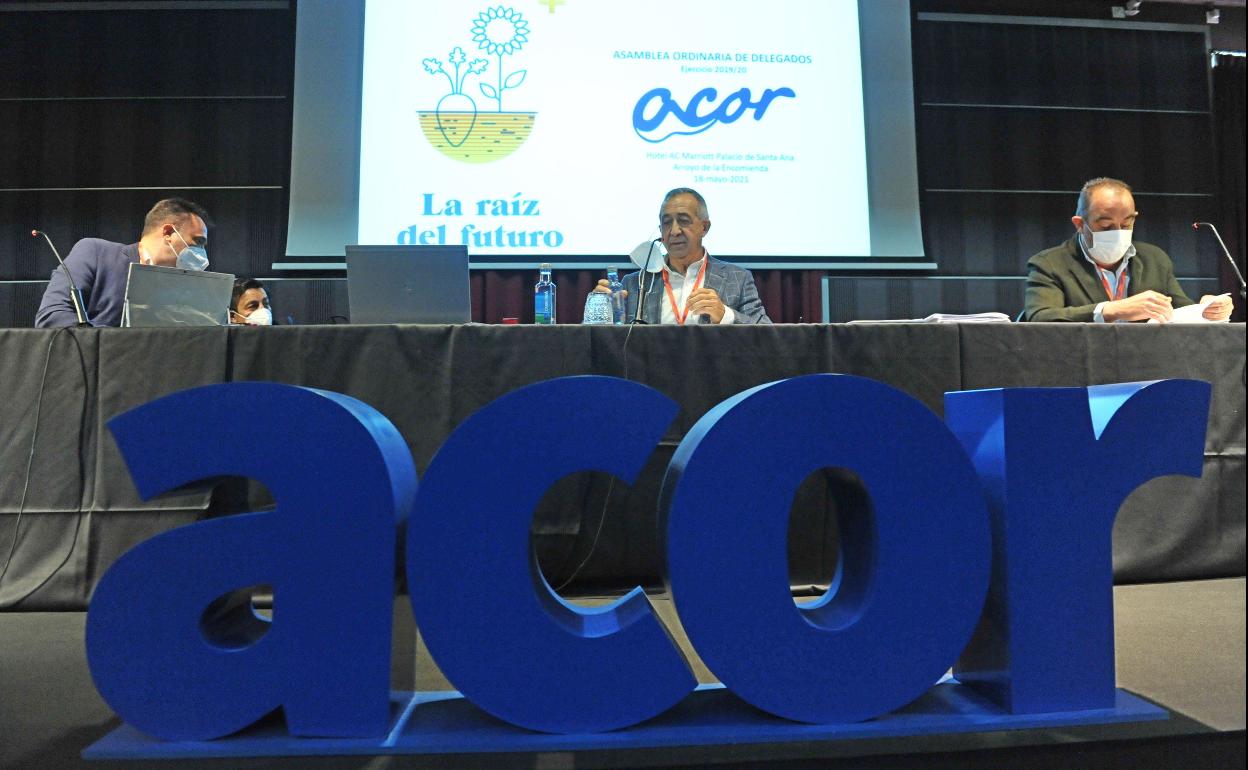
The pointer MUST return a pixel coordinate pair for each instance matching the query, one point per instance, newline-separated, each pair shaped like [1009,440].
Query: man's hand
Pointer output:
[604,286]
[1139,307]
[706,302]
[1219,307]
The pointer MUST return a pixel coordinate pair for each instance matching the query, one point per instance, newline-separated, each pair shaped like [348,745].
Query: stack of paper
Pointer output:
[944,318]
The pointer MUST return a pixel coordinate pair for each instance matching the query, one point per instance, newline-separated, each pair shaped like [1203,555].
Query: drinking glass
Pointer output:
[598,308]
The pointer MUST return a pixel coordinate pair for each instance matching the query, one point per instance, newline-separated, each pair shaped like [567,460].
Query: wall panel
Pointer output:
[1015,113]
[103,112]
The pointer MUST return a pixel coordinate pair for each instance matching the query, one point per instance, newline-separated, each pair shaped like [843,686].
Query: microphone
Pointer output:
[643,262]
[1227,252]
[75,296]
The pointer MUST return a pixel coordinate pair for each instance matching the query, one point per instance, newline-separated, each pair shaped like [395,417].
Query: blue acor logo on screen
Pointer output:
[658,116]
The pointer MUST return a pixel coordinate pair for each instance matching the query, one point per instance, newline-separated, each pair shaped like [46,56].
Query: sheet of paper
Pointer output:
[941,318]
[1192,314]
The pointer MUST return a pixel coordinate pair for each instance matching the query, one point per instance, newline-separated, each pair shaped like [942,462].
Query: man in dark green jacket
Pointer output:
[1100,276]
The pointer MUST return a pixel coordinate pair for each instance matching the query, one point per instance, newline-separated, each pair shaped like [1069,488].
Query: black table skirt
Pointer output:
[81,512]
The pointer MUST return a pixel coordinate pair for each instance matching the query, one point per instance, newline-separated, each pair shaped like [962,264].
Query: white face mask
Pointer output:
[261,316]
[1107,246]
[190,257]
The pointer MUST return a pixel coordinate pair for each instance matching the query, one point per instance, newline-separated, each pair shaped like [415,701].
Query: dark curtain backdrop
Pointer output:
[790,296]
[1013,118]
[1228,113]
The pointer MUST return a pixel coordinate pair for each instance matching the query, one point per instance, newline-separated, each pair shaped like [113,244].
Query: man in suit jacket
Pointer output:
[1099,275]
[693,287]
[174,231]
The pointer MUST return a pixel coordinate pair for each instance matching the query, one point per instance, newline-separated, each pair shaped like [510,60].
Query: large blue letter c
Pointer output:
[496,629]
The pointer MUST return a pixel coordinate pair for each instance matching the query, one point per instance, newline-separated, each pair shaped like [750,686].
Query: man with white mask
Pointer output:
[174,235]
[249,304]
[1100,275]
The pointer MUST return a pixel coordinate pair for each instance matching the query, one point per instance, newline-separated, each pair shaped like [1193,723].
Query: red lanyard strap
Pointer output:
[1122,285]
[681,316]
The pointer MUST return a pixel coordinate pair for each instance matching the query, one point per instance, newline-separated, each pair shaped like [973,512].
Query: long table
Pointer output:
[79,510]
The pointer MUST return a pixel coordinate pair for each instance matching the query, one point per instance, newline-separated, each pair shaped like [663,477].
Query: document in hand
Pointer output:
[1191,314]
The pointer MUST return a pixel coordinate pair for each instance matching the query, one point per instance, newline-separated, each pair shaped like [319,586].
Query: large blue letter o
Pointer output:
[915,571]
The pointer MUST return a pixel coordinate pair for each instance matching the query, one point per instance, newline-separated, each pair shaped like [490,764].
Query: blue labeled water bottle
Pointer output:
[544,297]
[617,294]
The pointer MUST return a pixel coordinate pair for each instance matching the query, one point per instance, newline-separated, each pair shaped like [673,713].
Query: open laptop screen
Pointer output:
[172,296]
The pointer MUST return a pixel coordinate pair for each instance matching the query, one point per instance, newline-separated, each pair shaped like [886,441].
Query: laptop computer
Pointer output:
[408,284]
[173,296]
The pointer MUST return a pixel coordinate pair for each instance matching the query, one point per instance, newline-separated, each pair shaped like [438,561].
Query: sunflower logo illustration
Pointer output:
[501,31]
[456,127]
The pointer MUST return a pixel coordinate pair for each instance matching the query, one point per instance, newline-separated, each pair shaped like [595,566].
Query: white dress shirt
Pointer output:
[682,287]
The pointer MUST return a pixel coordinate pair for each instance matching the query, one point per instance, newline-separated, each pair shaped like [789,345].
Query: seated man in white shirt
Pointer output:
[693,287]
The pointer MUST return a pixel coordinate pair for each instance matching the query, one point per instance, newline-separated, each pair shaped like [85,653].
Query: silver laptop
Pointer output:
[408,284]
[172,296]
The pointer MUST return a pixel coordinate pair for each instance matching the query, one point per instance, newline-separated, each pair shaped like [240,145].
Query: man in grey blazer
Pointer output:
[693,287]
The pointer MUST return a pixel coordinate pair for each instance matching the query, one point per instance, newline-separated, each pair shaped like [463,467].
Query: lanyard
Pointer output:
[681,316]
[1122,285]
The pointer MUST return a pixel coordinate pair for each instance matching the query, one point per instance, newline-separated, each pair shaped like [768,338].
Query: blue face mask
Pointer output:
[191,257]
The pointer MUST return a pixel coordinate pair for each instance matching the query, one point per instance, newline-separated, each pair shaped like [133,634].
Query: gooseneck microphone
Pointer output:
[75,296]
[1227,252]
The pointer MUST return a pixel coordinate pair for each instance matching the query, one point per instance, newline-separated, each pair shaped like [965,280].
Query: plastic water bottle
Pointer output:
[544,297]
[617,294]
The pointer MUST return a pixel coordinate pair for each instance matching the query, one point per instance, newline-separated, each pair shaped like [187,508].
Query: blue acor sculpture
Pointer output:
[1013,499]
[497,630]
[913,571]
[1055,465]
[340,474]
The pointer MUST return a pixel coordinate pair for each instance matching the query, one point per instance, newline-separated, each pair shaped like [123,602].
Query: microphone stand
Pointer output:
[1243,290]
[75,296]
[641,278]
